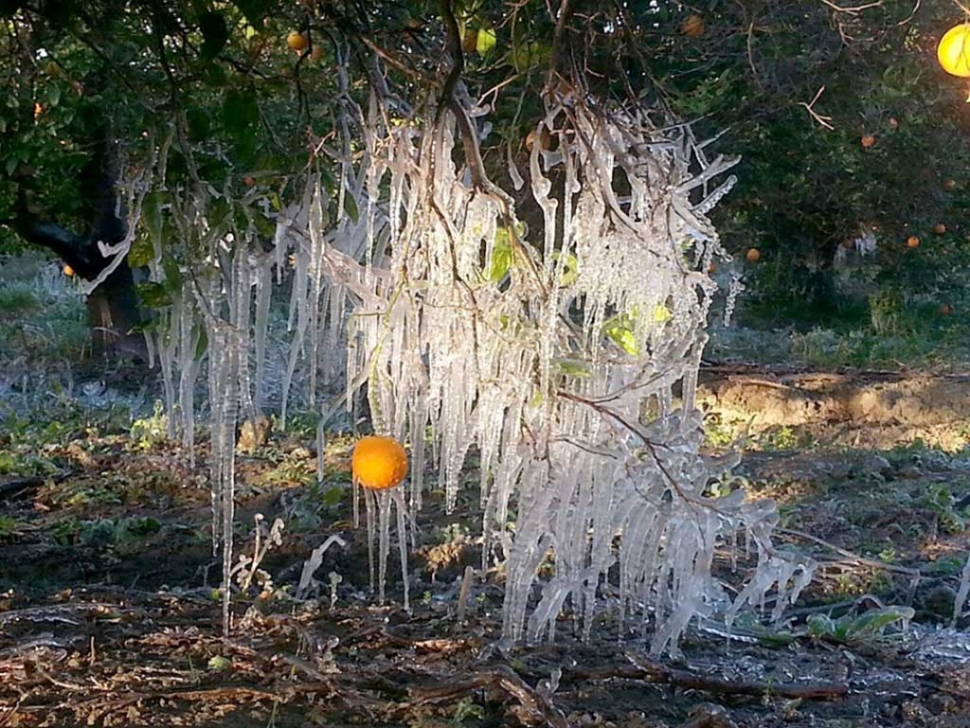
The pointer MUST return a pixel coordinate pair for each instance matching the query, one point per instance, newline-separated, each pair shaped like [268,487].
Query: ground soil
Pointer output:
[108,617]
[857,409]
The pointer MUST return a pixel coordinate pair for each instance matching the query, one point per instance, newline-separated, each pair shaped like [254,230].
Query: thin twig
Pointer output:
[855,10]
[810,107]
[849,555]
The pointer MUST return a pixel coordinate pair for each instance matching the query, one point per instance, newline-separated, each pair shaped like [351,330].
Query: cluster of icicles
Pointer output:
[569,362]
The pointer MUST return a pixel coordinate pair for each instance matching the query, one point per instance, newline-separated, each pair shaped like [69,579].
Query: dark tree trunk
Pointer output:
[113,312]
[113,305]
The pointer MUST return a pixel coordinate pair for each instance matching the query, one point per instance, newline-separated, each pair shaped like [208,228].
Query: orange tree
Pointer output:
[845,123]
[247,89]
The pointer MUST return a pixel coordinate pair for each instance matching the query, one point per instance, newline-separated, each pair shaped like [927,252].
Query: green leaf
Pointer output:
[529,55]
[350,207]
[571,270]
[486,41]
[240,115]
[215,75]
[218,663]
[661,313]
[820,625]
[154,218]
[154,295]
[873,622]
[331,497]
[501,260]
[173,276]
[200,124]
[620,331]
[203,344]
[214,34]
[141,252]
[264,226]
[572,368]
[53,95]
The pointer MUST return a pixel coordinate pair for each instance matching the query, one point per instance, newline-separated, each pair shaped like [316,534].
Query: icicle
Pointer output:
[264,290]
[188,364]
[462,327]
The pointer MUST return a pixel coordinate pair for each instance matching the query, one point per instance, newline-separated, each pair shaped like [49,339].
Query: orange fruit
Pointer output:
[939,228]
[946,309]
[296,41]
[545,139]
[950,185]
[249,181]
[379,462]
[753,255]
[868,141]
[893,122]
[912,242]
[68,271]
[953,53]
[693,26]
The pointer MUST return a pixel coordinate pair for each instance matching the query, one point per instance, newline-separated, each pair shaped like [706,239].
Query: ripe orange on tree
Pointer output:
[953,52]
[296,41]
[868,141]
[378,462]
[753,255]
[939,228]
[912,242]
[693,26]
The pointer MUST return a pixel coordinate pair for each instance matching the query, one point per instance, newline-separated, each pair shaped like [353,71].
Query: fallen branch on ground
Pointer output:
[505,678]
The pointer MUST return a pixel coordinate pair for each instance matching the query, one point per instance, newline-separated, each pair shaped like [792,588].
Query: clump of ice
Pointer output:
[568,355]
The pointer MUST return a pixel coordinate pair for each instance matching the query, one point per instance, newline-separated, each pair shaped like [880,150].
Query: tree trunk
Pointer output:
[113,311]
[113,305]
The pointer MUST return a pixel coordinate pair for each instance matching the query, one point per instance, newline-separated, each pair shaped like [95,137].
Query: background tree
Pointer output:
[246,88]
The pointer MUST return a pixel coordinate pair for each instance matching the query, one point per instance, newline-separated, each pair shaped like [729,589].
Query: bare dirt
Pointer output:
[857,409]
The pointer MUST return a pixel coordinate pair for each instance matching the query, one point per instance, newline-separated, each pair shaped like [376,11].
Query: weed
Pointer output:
[150,431]
[296,468]
[464,710]
[103,532]
[17,299]
[867,627]
[14,463]
[10,527]
[717,434]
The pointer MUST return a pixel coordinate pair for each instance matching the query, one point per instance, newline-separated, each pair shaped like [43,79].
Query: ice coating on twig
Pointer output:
[567,355]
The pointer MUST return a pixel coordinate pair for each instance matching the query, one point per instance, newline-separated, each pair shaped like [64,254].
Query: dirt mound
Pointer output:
[868,409]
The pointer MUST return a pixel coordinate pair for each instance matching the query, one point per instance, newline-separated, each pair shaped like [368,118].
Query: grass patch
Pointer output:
[17,299]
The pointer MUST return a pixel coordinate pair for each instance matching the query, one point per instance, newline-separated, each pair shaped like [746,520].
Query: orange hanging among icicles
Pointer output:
[379,462]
